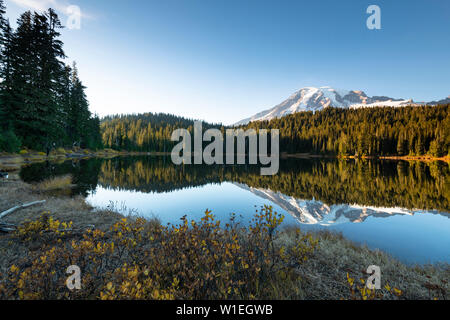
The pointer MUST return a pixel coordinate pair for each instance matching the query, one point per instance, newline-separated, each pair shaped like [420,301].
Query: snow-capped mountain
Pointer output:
[317,213]
[314,99]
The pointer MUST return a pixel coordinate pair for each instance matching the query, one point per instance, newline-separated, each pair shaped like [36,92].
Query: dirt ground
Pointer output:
[14,192]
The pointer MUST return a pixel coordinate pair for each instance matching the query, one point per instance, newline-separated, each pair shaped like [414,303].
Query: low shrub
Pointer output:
[360,291]
[141,260]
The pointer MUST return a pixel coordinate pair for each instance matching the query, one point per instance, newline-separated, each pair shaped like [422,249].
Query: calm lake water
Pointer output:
[396,206]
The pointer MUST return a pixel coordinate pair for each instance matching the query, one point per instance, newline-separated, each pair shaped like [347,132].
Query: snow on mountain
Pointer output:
[317,213]
[315,99]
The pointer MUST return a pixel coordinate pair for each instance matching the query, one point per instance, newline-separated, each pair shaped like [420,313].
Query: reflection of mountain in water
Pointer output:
[371,184]
[316,212]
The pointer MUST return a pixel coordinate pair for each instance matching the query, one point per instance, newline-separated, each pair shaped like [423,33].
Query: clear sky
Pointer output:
[225,60]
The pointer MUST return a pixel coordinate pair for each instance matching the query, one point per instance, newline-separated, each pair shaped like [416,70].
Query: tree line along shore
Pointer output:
[43,106]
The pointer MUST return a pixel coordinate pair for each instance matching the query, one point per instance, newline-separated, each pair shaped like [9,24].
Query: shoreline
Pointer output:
[13,161]
[402,158]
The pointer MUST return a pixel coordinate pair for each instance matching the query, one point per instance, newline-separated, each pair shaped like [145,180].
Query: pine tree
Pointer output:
[3,23]
[401,146]
[437,146]
[4,27]
[42,101]
[79,113]
[63,92]
[343,145]
[420,149]
[50,52]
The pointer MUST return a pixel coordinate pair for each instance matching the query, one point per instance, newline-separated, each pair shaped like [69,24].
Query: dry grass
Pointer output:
[10,162]
[325,273]
[14,192]
[53,184]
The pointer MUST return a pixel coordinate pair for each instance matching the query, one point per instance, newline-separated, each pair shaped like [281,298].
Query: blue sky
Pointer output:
[225,60]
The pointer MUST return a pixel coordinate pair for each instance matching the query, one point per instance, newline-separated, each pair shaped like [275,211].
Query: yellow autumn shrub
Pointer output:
[360,291]
[141,260]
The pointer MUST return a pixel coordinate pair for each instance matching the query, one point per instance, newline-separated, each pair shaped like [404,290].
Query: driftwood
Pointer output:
[6,227]
[23,206]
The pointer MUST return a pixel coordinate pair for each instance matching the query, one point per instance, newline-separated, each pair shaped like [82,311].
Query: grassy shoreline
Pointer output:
[13,161]
[302,270]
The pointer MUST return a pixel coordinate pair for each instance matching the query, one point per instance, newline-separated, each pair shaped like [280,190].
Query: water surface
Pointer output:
[396,206]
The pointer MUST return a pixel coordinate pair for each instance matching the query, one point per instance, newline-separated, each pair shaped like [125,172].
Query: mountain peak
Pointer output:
[319,98]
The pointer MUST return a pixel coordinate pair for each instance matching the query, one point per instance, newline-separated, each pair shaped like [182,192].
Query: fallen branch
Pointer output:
[5,228]
[23,206]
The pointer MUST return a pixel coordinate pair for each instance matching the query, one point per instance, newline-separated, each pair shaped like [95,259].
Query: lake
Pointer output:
[399,207]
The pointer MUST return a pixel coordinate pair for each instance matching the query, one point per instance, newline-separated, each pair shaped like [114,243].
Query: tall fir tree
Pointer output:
[42,100]
[79,113]
[3,62]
